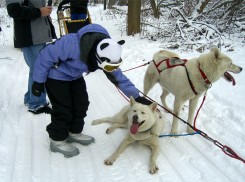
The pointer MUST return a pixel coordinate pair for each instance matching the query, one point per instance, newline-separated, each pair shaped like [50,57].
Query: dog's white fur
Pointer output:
[175,81]
[149,123]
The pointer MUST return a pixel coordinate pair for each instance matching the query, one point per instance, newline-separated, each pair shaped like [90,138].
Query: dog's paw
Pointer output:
[95,122]
[184,107]
[173,132]
[109,161]
[154,169]
[109,130]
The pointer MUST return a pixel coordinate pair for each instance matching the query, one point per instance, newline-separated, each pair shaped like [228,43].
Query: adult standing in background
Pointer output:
[78,8]
[32,30]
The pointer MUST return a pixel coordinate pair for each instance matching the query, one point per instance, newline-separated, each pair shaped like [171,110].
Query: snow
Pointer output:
[24,143]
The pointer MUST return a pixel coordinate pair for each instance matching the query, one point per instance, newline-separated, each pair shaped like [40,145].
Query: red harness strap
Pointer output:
[205,78]
[172,66]
[168,65]
[190,82]
[157,65]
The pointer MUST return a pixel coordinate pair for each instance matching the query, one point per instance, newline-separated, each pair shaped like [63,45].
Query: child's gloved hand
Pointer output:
[143,100]
[37,88]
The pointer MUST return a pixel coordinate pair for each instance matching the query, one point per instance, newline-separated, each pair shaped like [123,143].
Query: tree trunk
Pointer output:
[189,6]
[123,2]
[111,3]
[104,4]
[204,4]
[156,12]
[134,7]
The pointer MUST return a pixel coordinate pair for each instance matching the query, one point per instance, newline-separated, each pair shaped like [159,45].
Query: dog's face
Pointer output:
[141,117]
[225,65]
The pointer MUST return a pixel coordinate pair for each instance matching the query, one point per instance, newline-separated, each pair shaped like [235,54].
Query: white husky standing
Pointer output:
[187,80]
[144,123]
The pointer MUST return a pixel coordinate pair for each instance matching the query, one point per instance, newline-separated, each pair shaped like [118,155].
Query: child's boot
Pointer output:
[80,138]
[64,148]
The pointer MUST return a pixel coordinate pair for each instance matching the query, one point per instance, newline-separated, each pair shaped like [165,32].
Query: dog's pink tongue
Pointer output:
[230,78]
[134,128]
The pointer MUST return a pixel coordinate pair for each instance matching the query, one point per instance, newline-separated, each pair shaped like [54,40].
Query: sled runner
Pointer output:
[66,25]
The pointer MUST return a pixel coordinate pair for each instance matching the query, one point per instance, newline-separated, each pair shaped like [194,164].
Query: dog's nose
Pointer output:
[135,118]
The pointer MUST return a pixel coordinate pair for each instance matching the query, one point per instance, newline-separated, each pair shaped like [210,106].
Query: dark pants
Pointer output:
[70,103]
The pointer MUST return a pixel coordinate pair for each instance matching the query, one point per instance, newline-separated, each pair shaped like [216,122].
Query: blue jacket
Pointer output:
[66,52]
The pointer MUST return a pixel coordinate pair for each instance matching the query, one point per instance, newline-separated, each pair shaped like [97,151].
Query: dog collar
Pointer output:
[208,84]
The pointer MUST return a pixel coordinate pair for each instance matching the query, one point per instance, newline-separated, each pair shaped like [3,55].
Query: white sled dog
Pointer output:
[144,123]
[187,79]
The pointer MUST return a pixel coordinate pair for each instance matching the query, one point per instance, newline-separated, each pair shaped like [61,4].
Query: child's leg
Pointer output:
[80,105]
[60,96]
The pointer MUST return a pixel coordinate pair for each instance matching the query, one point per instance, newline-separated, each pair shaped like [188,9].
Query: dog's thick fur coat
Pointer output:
[174,80]
[144,123]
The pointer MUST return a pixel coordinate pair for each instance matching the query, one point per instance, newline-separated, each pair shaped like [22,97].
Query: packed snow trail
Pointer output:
[24,143]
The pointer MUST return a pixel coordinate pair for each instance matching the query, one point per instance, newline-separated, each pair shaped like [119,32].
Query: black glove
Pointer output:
[143,100]
[37,88]
[49,3]
[59,8]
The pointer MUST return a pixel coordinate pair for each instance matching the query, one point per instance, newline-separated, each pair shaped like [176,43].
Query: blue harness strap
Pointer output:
[177,135]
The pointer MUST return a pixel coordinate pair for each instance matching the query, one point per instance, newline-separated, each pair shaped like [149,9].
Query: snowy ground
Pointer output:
[24,143]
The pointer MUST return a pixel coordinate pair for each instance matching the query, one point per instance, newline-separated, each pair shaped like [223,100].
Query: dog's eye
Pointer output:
[142,112]
[134,110]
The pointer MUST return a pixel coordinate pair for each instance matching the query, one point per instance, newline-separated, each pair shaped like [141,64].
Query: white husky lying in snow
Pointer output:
[144,123]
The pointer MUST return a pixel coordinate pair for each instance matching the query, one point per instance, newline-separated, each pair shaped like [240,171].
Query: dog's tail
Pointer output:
[152,75]
[151,78]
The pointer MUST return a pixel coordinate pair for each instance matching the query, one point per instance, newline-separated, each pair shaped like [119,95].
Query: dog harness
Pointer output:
[208,84]
[170,63]
[175,61]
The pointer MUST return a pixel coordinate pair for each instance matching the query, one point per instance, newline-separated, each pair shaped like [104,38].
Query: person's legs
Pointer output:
[60,96]
[30,55]
[80,105]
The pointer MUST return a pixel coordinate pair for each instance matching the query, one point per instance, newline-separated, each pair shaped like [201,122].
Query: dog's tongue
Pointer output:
[134,128]
[230,78]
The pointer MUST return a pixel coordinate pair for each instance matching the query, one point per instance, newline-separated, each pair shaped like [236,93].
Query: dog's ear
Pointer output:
[216,52]
[132,101]
[158,126]
[153,106]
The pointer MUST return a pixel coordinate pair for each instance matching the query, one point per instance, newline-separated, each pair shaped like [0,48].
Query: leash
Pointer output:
[177,135]
[226,149]
[124,96]
[204,97]
[137,66]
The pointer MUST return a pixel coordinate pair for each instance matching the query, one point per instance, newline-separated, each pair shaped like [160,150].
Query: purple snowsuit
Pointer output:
[61,67]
